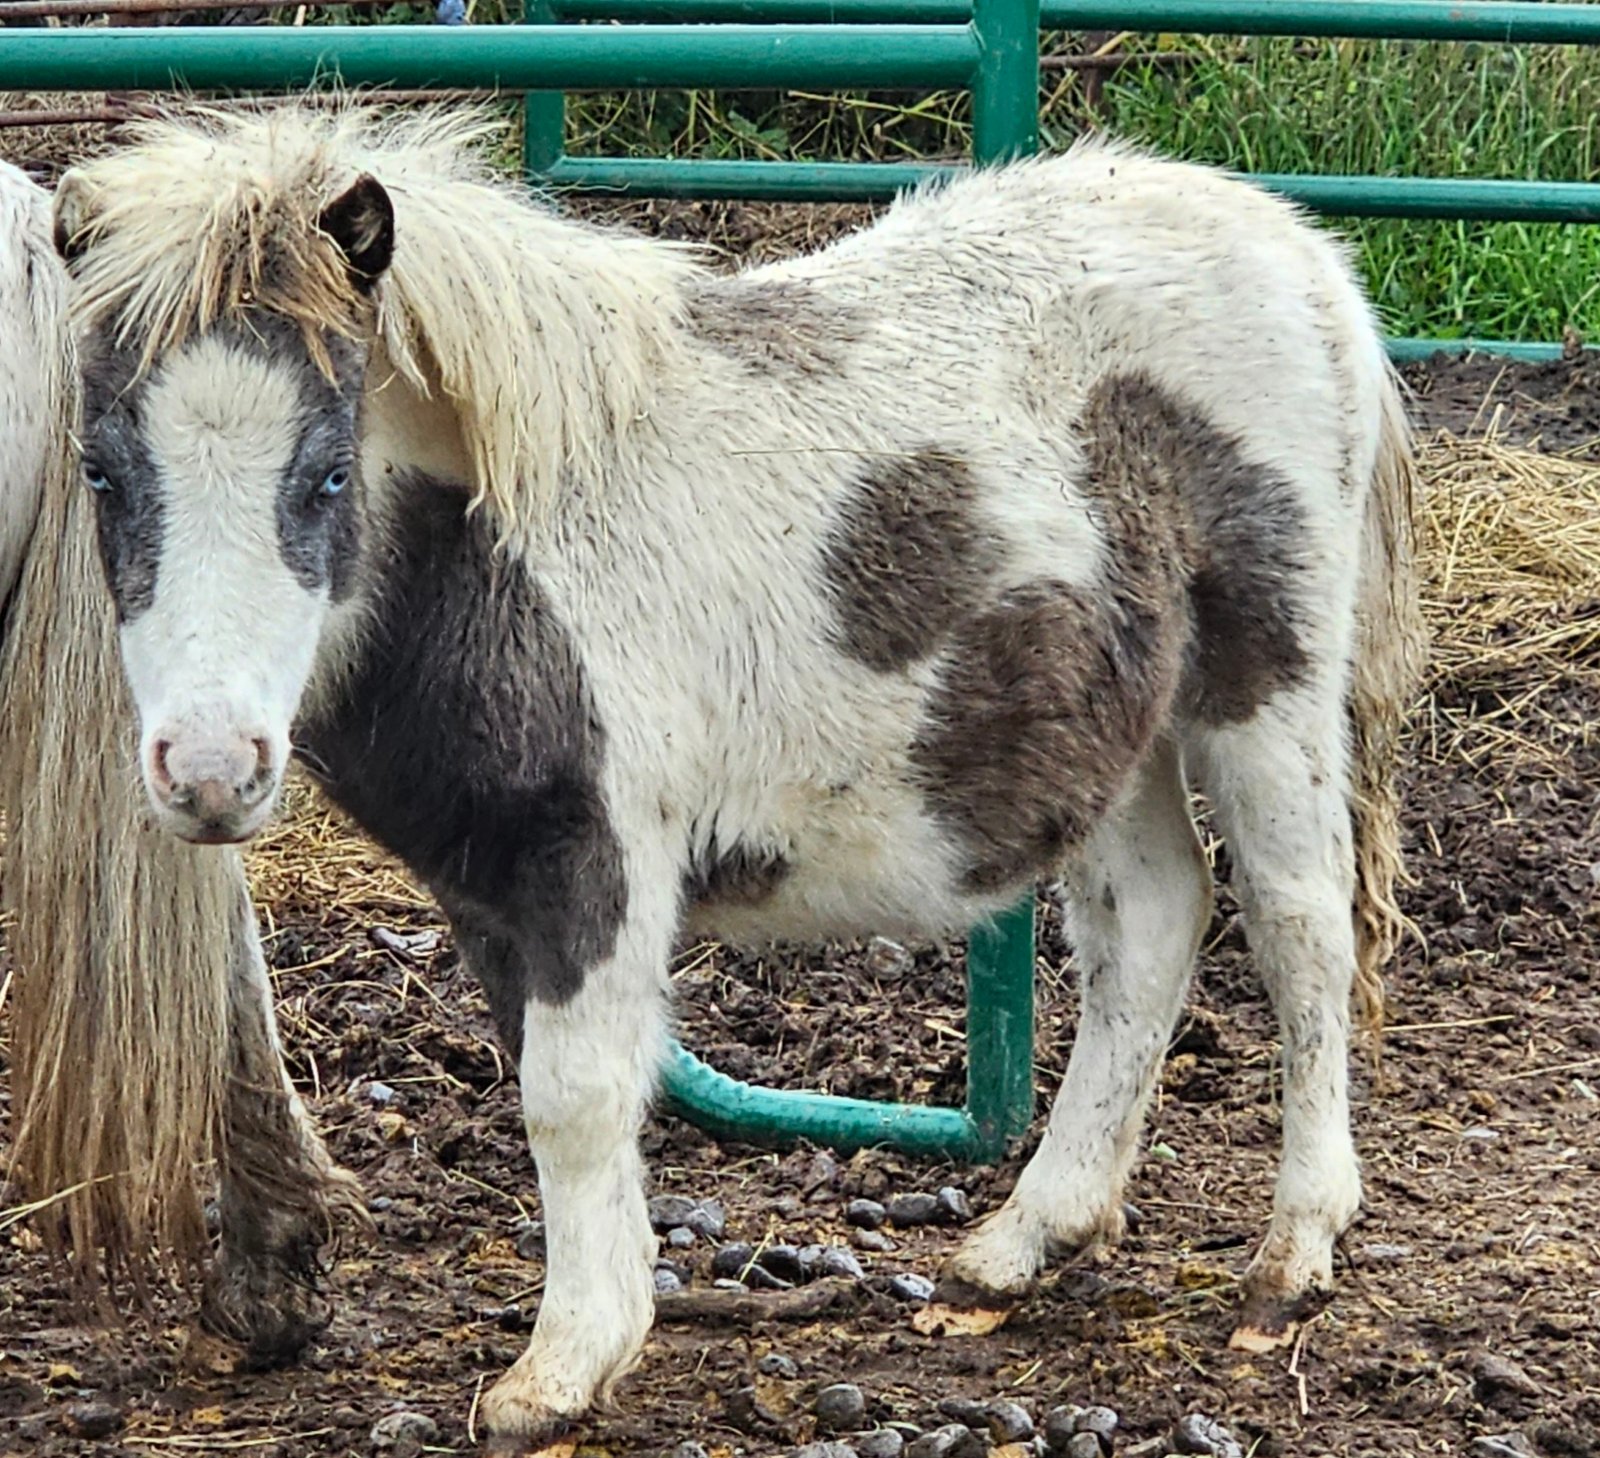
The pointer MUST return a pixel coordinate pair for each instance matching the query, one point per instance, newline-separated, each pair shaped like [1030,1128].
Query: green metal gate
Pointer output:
[990,47]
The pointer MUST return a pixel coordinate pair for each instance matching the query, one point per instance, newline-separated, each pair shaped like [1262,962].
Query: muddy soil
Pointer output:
[1468,1302]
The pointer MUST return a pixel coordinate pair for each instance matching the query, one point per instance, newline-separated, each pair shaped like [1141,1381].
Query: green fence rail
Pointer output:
[990,47]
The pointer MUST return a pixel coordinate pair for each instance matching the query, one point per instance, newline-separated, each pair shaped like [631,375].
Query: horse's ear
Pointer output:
[70,215]
[361,221]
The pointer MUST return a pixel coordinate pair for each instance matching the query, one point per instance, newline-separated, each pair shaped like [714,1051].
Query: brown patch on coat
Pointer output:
[906,561]
[741,876]
[1239,526]
[1053,696]
[770,325]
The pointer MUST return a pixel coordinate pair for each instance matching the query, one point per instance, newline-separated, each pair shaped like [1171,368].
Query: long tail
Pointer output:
[1391,649]
[120,937]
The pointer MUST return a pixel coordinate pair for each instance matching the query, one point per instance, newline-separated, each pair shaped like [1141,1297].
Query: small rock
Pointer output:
[530,1240]
[92,1419]
[1060,1423]
[835,1260]
[1497,1378]
[380,1093]
[1100,1421]
[405,1430]
[775,1364]
[906,1210]
[825,1450]
[667,1282]
[956,1440]
[686,1450]
[726,1283]
[1132,1217]
[1480,1135]
[1200,1434]
[842,1408]
[965,1410]
[865,1214]
[509,1318]
[731,1260]
[1082,1445]
[667,1212]
[759,1278]
[782,1261]
[908,1286]
[1381,1254]
[377,1205]
[708,1220]
[883,1443]
[873,1240]
[1501,1445]
[954,1207]
[886,960]
[680,1237]
[1008,1421]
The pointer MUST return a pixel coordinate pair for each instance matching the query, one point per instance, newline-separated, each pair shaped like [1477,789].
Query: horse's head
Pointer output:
[227,478]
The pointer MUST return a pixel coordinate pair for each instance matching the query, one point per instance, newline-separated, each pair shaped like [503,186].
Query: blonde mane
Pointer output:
[548,337]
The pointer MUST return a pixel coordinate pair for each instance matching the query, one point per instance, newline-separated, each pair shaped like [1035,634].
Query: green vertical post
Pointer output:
[544,113]
[1000,1026]
[1005,90]
[1005,123]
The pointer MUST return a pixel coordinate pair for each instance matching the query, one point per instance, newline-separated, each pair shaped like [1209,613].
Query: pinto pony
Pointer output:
[853,593]
[142,1024]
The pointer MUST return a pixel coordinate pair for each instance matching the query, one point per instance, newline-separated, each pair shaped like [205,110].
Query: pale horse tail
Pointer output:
[120,936]
[1391,649]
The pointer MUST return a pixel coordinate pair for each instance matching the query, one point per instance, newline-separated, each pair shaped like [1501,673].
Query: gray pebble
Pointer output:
[782,1261]
[530,1240]
[727,1283]
[686,1450]
[1501,1445]
[865,1214]
[956,1440]
[1060,1423]
[1100,1421]
[887,961]
[1081,1445]
[731,1260]
[92,1419]
[408,1429]
[667,1212]
[884,1443]
[680,1237]
[1132,1216]
[907,1210]
[1380,1252]
[667,1281]
[825,1450]
[380,1093]
[835,1260]
[1207,1437]
[775,1364]
[709,1220]
[873,1240]
[954,1206]
[908,1286]
[1008,1421]
[377,1206]
[965,1410]
[841,1407]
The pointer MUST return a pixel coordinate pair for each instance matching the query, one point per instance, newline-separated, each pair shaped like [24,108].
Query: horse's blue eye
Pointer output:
[335,482]
[96,479]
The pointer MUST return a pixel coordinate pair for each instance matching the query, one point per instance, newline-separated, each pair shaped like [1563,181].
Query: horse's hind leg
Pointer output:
[1139,900]
[280,1190]
[1278,785]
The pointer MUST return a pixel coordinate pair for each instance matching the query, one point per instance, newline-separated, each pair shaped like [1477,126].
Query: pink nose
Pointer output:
[216,783]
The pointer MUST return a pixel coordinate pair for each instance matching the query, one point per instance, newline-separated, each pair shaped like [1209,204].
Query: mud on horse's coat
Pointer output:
[851,594]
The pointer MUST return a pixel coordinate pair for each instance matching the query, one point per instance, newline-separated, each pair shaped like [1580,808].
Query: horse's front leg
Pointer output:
[280,1190]
[590,1054]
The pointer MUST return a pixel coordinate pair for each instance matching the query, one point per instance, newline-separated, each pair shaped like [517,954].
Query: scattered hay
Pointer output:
[1511,588]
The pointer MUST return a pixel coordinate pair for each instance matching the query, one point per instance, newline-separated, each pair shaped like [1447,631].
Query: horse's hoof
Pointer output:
[268,1306]
[524,1413]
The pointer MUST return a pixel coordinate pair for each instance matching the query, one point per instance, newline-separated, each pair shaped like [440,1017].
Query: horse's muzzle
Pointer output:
[213,792]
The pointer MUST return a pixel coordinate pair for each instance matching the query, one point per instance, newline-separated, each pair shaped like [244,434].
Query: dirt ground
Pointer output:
[1468,1302]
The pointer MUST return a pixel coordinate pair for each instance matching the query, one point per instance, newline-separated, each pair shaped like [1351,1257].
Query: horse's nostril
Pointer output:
[263,756]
